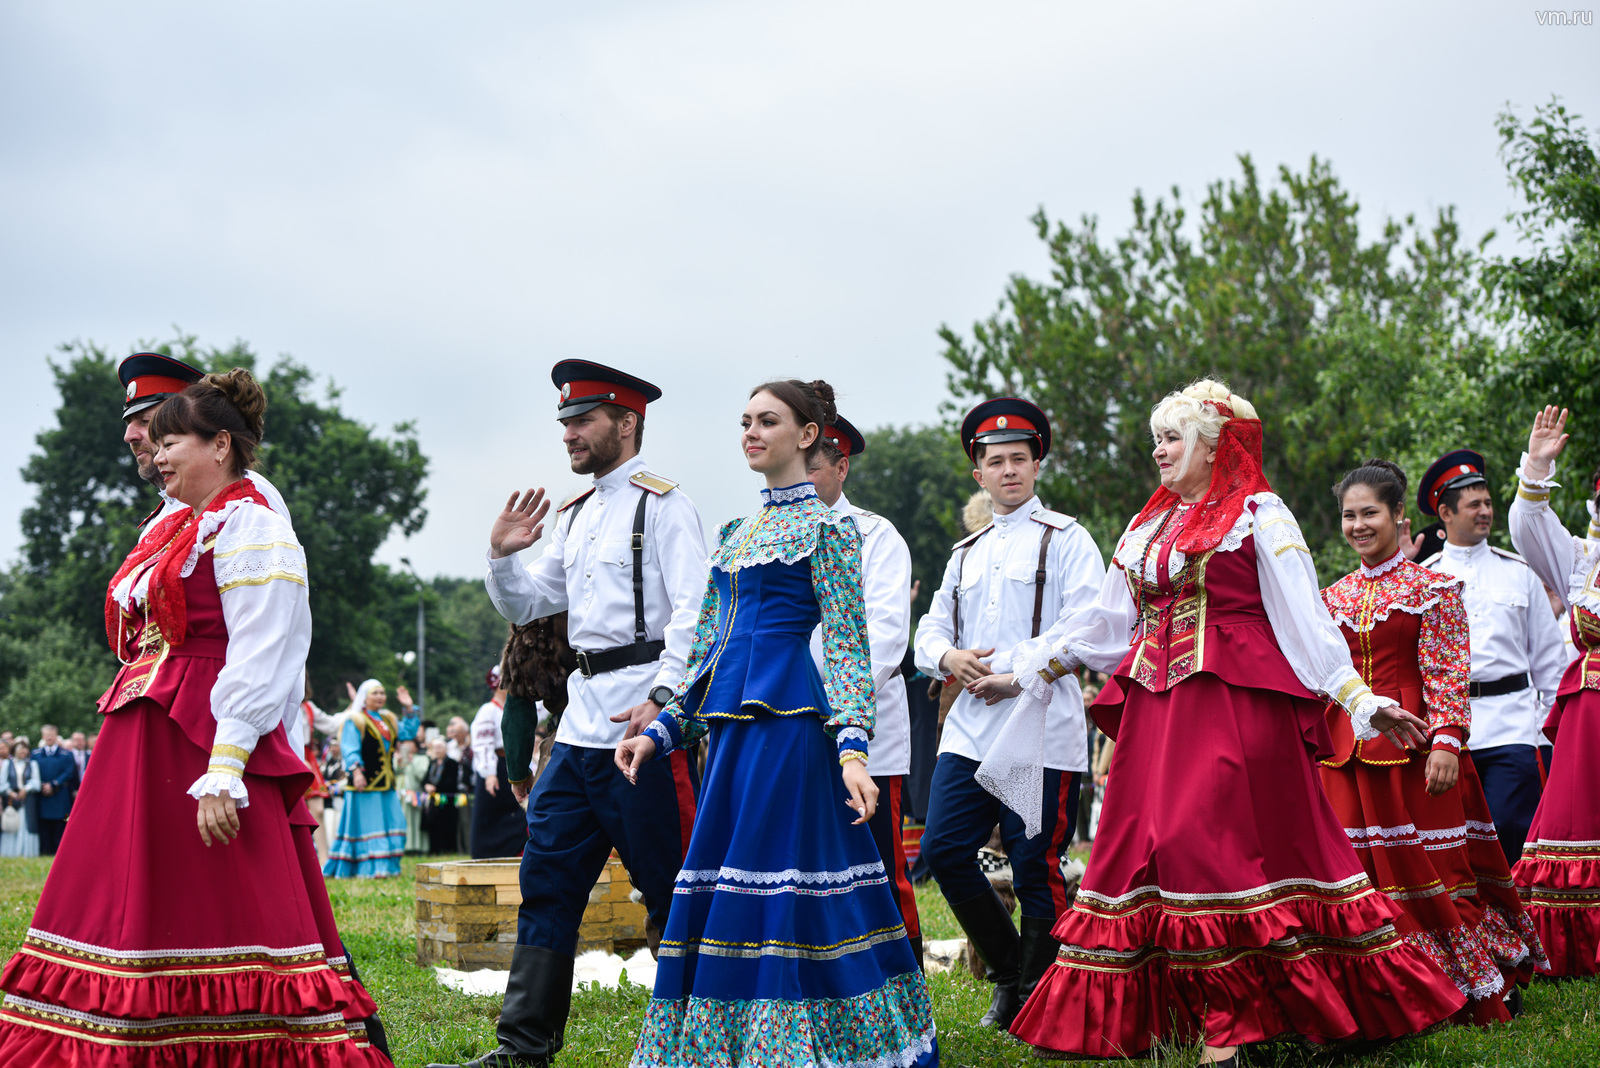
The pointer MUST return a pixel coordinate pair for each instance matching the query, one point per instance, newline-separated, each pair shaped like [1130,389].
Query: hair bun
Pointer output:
[1390,466]
[241,387]
[824,392]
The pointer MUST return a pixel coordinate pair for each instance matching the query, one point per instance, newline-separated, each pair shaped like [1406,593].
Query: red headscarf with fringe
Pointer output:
[1235,475]
[172,538]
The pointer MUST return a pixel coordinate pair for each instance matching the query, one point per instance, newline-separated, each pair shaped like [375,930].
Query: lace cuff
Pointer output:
[1534,489]
[1362,707]
[661,736]
[221,783]
[852,738]
[1448,738]
[1045,666]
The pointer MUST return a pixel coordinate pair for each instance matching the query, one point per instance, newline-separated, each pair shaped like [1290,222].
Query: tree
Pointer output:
[346,487]
[1550,298]
[917,478]
[1272,290]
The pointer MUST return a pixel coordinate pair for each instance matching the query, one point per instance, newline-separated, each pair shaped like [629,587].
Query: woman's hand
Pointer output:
[1443,768]
[1546,440]
[863,791]
[1411,547]
[632,754]
[404,695]
[1400,727]
[218,818]
[358,779]
[350,690]
[992,689]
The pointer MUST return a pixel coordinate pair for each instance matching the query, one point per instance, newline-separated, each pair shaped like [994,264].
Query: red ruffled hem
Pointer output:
[58,1046]
[1162,923]
[1562,899]
[155,996]
[1325,997]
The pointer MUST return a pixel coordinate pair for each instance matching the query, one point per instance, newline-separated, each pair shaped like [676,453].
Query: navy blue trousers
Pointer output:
[961,816]
[1512,786]
[580,808]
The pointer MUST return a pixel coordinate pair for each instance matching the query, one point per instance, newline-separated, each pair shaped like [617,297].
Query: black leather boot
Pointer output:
[988,925]
[916,949]
[534,1016]
[1038,949]
[377,1038]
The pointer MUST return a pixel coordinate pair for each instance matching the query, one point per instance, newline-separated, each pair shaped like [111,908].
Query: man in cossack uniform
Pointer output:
[1018,578]
[626,561]
[886,589]
[1517,652]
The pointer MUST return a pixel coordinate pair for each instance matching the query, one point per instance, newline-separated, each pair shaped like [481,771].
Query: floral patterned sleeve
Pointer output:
[1444,653]
[675,726]
[836,579]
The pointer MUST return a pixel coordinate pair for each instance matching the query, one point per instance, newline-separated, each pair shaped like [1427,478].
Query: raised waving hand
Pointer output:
[520,524]
[1546,440]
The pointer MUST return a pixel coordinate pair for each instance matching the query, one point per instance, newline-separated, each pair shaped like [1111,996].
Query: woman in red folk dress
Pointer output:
[1559,873]
[1420,824]
[1222,903]
[184,921]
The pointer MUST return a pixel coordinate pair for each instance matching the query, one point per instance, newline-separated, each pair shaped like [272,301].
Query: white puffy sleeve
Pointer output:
[1561,561]
[1306,633]
[261,576]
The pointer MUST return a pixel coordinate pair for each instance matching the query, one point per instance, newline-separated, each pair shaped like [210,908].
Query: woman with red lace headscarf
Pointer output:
[1222,902]
[185,919]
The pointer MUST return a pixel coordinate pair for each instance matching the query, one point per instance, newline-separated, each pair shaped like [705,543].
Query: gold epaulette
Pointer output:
[574,499]
[1058,520]
[653,483]
[974,536]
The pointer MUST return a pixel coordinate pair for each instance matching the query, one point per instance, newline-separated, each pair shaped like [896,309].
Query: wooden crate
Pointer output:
[467,913]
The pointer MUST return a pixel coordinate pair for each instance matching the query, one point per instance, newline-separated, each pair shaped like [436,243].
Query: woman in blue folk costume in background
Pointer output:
[372,825]
[783,948]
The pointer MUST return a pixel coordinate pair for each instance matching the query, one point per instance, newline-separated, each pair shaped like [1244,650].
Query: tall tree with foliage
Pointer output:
[1273,290]
[1550,297]
[346,487]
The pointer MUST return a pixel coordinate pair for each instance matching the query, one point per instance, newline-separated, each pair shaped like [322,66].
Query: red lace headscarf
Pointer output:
[172,538]
[1235,475]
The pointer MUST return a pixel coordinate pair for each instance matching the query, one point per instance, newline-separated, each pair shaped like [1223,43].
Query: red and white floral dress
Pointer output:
[1436,857]
[1559,873]
[149,948]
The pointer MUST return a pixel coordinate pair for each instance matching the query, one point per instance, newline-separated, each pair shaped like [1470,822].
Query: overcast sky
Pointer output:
[431,204]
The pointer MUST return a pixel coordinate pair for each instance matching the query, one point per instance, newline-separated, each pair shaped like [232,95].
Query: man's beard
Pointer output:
[603,453]
[146,462]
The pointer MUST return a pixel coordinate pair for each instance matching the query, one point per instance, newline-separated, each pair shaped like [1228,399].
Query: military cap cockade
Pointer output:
[845,437]
[1453,470]
[1005,419]
[148,378]
[585,386]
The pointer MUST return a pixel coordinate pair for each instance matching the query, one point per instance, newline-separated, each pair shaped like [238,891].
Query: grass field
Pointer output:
[428,1022]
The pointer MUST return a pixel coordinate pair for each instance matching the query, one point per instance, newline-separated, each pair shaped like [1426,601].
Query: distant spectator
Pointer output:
[19,786]
[79,746]
[58,782]
[412,770]
[458,747]
[443,791]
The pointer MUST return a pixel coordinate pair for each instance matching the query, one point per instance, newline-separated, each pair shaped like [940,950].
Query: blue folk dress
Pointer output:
[783,948]
[372,824]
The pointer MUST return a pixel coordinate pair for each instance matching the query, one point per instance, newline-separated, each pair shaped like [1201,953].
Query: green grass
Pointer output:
[428,1022]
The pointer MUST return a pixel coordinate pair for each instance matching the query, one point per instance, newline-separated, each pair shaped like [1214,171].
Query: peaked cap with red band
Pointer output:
[585,386]
[1453,470]
[148,378]
[846,438]
[1005,419]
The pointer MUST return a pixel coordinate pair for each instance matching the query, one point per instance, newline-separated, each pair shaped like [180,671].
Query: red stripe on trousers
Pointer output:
[679,762]
[905,894]
[1065,826]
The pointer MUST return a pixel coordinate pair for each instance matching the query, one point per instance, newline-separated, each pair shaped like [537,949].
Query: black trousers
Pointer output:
[50,832]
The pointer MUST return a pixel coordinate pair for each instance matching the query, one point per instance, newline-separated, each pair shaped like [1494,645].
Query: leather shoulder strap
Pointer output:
[1038,580]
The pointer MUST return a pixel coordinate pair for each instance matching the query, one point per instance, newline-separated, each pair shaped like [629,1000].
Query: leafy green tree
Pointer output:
[917,478]
[1550,297]
[1272,290]
[465,637]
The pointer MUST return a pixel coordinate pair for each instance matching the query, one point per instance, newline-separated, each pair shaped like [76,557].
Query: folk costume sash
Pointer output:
[168,546]
[1235,475]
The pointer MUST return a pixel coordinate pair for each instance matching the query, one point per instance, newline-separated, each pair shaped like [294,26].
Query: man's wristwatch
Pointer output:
[661,695]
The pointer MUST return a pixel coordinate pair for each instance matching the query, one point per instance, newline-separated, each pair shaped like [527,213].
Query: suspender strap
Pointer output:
[572,519]
[638,567]
[1038,580]
[955,598]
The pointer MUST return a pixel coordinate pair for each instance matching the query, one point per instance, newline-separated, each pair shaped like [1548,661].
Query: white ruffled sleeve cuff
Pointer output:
[219,783]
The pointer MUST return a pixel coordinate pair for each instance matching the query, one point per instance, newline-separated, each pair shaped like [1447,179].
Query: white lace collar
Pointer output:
[788,494]
[1384,568]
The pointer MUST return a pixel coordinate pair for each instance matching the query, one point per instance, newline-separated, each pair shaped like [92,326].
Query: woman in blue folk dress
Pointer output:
[372,825]
[784,948]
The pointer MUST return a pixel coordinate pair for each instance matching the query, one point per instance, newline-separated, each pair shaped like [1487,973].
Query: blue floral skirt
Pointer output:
[784,948]
[371,836]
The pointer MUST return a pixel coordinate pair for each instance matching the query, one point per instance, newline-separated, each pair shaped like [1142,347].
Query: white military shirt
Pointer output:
[486,739]
[886,588]
[586,570]
[1512,631]
[997,593]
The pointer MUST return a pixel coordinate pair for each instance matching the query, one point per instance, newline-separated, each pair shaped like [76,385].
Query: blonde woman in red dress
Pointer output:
[1419,821]
[1559,873]
[184,921]
[1223,903]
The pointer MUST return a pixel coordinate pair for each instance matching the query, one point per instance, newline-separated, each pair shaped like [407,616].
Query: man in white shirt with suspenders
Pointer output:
[1016,579]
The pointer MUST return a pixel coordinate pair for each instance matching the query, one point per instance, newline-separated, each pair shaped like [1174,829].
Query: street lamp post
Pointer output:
[422,636]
